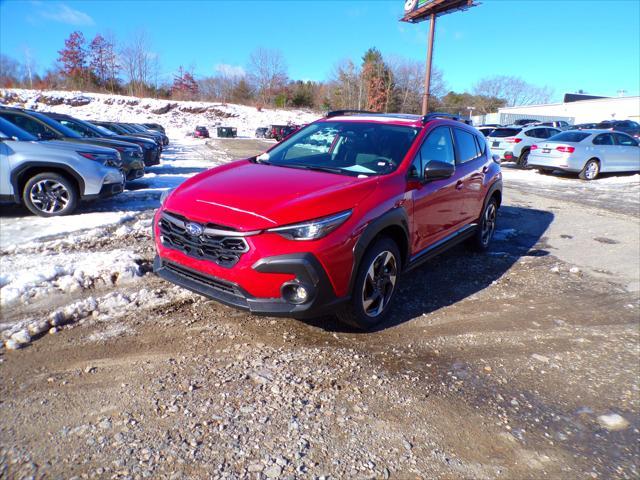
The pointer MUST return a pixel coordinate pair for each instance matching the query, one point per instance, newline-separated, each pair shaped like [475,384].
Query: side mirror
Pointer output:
[436,170]
[496,158]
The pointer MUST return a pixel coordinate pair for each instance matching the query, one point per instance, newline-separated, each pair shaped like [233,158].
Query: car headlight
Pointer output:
[165,195]
[106,159]
[312,229]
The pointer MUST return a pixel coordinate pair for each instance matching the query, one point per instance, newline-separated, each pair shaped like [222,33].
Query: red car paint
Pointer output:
[248,196]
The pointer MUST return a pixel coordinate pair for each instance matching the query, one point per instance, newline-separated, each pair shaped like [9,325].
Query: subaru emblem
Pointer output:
[194,229]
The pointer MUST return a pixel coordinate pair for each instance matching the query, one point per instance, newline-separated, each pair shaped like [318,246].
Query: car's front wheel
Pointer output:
[50,195]
[375,286]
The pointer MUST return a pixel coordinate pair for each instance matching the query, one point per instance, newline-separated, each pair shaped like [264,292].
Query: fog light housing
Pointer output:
[295,293]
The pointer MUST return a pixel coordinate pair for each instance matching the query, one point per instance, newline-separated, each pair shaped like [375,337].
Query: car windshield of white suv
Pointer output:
[349,148]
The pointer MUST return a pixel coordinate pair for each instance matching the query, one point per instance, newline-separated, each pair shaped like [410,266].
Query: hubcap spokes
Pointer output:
[379,284]
[49,196]
[592,170]
[488,223]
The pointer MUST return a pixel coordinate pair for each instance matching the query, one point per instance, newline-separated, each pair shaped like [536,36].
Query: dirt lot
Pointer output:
[521,363]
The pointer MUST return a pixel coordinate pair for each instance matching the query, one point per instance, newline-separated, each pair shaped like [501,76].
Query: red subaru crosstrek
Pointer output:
[327,220]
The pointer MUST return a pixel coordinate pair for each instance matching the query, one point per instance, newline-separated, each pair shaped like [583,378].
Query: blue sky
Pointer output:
[568,45]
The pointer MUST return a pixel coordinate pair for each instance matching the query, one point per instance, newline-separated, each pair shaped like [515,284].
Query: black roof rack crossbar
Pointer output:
[431,116]
[340,113]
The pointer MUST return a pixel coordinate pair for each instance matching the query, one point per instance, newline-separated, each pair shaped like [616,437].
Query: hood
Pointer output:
[146,142]
[249,196]
[103,142]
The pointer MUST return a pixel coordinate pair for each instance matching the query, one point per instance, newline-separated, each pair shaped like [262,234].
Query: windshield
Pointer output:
[103,130]
[357,149]
[9,130]
[573,136]
[64,131]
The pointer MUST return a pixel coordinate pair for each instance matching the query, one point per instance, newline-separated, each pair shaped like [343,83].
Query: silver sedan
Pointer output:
[587,152]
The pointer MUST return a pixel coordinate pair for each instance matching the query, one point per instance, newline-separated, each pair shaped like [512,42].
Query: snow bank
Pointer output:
[177,116]
[30,277]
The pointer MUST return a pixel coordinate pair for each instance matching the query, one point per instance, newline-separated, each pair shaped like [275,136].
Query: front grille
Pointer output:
[225,251]
[212,282]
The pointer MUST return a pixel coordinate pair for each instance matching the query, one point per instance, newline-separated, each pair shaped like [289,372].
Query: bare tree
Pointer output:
[408,78]
[138,62]
[344,90]
[514,90]
[267,73]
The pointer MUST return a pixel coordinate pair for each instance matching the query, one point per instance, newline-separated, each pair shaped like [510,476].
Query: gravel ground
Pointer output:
[514,364]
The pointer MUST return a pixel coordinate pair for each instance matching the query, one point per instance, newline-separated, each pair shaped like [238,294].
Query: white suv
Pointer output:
[513,143]
[51,177]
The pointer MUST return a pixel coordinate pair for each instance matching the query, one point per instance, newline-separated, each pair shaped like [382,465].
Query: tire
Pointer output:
[590,171]
[523,160]
[50,195]
[544,171]
[486,227]
[375,286]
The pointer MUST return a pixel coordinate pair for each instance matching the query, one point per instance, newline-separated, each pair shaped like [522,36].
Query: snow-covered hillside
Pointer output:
[178,118]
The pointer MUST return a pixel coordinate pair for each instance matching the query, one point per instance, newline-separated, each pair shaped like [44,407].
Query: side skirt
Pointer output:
[445,244]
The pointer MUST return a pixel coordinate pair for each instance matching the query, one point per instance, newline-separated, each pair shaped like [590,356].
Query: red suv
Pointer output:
[327,220]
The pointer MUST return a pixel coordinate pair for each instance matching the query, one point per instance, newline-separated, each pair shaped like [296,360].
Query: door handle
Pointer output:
[459,185]
[485,169]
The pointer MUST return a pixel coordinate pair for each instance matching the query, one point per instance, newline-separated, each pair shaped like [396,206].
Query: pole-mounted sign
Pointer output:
[416,11]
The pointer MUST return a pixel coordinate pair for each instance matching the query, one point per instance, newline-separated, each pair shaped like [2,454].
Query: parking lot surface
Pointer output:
[519,363]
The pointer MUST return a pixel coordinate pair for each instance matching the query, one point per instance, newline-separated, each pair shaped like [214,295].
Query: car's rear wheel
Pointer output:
[544,171]
[486,227]
[50,195]
[523,160]
[591,170]
[375,286]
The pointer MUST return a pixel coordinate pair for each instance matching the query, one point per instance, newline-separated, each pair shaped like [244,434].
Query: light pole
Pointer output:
[416,11]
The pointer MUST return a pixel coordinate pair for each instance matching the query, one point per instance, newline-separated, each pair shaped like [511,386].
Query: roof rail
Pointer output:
[431,116]
[340,113]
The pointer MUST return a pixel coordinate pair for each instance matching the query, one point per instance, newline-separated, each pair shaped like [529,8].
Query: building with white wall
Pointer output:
[582,111]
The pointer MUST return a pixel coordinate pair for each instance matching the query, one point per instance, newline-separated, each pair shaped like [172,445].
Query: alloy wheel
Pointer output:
[592,171]
[379,283]
[488,223]
[49,196]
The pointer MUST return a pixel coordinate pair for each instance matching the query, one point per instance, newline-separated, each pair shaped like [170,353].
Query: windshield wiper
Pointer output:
[317,168]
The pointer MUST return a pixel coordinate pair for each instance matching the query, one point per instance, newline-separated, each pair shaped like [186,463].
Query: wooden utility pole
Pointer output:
[427,77]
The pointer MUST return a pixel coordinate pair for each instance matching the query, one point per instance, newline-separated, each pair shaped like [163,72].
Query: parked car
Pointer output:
[525,121]
[155,126]
[150,151]
[513,144]
[559,124]
[587,152]
[139,128]
[583,126]
[51,177]
[227,132]
[328,219]
[122,129]
[626,126]
[45,128]
[274,131]
[486,131]
[286,131]
[261,132]
[201,132]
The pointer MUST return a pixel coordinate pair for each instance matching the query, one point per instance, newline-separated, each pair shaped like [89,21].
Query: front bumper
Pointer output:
[135,174]
[151,157]
[107,190]
[304,266]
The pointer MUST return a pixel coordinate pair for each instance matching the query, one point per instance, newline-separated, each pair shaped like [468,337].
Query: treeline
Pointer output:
[373,82]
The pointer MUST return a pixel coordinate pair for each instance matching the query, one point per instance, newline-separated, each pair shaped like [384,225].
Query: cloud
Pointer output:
[230,70]
[62,13]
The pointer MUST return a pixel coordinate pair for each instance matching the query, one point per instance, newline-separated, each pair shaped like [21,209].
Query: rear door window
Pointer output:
[466,146]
